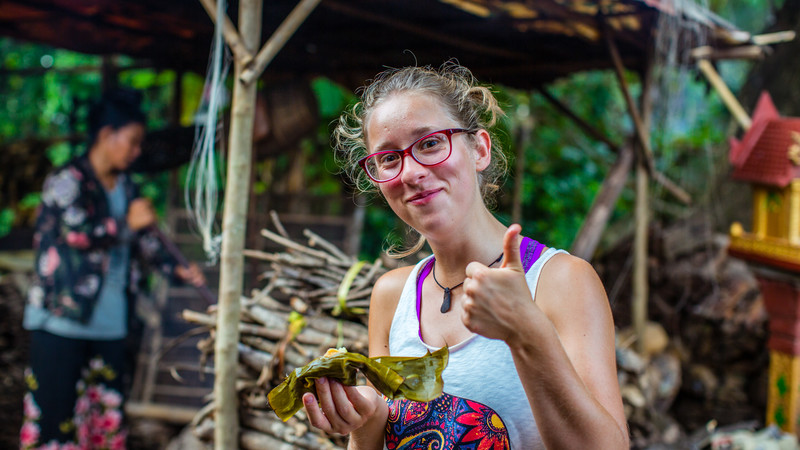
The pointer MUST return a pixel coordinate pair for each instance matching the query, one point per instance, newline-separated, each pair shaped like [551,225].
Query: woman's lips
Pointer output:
[423,198]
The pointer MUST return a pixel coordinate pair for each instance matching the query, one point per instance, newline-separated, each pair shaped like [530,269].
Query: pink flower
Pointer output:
[78,240]
[52,445]
[49,262]
[111,227]
[118,442]
[112,399]
[70,446]
[29,434]
[94,394]
[32,411]
[98,440]
[82,406]
[83,432]
[111,421]
[94,421]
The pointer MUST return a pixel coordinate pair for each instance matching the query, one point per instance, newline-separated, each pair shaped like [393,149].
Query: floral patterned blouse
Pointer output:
[74,235]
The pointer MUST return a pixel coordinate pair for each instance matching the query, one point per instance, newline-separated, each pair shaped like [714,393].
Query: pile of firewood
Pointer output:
[712,312]
[315,298]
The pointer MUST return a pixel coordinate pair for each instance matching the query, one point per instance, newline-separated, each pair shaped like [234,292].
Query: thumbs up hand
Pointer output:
[498,299]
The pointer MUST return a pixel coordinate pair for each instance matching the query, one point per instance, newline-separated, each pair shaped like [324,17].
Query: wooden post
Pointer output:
[725,94]
[523,137]
[226,355]
[640,287]
[641,292]
[588,237]
[278,39]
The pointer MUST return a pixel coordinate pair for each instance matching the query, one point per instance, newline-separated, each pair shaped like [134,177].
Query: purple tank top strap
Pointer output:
[426,269]
[530,250]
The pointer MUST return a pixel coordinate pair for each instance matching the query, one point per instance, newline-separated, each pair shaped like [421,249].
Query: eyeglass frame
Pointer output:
[407,151]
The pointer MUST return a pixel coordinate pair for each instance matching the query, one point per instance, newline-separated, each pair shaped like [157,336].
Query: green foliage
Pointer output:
[6,220]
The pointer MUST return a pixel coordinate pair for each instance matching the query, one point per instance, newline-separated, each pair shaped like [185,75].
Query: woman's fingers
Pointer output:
[365,399]
[335,412]
[315,414]
[340,409]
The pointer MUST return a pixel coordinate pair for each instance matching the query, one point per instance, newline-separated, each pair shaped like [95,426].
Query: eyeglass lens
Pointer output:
[429,150]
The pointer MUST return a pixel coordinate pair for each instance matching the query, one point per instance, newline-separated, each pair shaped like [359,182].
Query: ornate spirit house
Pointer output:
[768,157]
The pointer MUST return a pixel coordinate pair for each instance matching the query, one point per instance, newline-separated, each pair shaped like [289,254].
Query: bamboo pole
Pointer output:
[588,237]
[278,39]
[727,96]
[646,154]
[242,54]
[234,219]
[523,137]
[641,286]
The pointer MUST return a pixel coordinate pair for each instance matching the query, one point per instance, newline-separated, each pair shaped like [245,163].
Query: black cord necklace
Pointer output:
[446,299]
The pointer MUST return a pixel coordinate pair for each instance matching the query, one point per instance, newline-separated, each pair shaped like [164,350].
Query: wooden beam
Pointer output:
[750,52]
[773,38]
[523,137]
[234,224]
[727,96]
[641,267]
[278,39]
[645,152]
[240,51]
[180,415]
[594,225]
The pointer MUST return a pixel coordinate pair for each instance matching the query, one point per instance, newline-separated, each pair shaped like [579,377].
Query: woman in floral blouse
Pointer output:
[93,235]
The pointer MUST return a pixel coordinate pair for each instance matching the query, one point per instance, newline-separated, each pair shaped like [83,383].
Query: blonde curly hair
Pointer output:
[473,106]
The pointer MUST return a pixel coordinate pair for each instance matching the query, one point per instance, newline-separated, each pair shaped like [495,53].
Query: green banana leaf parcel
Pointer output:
[415,378]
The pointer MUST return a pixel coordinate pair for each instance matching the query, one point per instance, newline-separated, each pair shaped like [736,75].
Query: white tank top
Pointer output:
[483,396]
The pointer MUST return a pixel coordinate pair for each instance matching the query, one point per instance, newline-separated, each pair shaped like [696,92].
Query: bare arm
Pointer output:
[360,410]
[562,345]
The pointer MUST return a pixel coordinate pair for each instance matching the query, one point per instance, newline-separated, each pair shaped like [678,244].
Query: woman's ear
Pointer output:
[483,149]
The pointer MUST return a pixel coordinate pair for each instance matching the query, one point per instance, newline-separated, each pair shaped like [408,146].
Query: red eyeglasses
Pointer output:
[429,150]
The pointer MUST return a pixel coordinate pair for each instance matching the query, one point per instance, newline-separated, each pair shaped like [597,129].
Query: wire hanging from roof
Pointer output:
[204,176]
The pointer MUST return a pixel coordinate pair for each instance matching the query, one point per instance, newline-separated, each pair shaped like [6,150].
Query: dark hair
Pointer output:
[116,108]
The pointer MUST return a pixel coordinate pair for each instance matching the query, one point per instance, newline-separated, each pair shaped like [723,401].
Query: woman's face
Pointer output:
[428,198]
[123,145]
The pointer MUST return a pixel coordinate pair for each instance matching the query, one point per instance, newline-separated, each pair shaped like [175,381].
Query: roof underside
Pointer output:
[520,43]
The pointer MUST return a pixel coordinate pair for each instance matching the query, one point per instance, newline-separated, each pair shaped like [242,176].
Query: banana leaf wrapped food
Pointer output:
[415,378]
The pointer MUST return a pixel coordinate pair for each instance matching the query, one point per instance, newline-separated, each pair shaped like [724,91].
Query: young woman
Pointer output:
[92,236]
[530,331]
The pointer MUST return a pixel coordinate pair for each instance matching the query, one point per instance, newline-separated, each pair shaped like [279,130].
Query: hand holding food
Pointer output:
[418,379]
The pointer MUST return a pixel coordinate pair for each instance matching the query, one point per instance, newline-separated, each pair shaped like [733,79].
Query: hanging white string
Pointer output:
[205,174]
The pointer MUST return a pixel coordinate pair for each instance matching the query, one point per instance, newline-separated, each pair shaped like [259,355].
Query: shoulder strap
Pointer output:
[530,250]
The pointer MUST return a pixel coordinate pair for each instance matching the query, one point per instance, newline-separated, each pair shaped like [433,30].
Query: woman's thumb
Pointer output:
[511,258]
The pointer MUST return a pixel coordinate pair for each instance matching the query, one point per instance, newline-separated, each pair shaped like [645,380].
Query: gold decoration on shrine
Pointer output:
[794,149]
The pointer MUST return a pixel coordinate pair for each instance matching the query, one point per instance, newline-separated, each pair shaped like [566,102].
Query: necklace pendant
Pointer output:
[445,301]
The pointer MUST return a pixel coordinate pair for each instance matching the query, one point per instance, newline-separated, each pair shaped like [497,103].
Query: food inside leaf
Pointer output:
[418,379]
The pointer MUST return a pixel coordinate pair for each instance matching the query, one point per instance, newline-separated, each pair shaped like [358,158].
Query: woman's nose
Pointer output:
[412,170]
